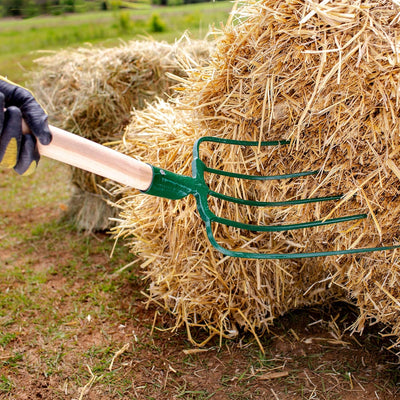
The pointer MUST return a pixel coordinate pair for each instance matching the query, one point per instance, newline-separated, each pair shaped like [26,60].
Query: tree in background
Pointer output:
[12,7]
[30,8]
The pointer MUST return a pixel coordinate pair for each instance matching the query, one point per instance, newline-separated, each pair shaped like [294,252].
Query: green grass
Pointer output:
[59,194]
[21,40]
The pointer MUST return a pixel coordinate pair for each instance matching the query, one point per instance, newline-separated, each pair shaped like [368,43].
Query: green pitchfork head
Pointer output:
[169,185]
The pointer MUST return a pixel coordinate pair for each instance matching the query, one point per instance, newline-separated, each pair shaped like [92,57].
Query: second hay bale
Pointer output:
[91,91]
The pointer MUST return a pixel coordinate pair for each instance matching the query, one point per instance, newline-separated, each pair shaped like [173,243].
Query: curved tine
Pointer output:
[255,203]
[259,177]
[282,228]
[288,256]
[210,139]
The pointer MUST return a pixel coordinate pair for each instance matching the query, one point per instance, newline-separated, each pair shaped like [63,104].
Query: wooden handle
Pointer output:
[93,157]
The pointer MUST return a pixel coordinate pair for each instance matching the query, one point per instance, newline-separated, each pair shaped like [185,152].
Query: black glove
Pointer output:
[17,150]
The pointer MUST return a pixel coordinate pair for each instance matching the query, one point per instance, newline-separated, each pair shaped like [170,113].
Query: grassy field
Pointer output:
[20,40]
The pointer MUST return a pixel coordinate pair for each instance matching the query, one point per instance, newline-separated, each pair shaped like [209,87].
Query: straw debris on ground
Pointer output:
[324,76]
[91,90]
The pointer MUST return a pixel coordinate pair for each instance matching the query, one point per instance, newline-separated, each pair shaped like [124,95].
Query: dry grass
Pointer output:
[324,76]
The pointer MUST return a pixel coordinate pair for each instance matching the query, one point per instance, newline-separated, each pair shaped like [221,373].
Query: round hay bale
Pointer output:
[91,90]
[326,77]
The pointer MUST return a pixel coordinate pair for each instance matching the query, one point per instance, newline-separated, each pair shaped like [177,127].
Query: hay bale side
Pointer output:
[91,90]
[326,77]
[187,275]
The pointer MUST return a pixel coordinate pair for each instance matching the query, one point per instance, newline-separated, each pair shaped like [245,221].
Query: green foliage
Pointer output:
[13,361]
[31,9]
[68,5]
[170,2]
[156,24]
[115,4]
[124,21]
[6,385]
[7,338]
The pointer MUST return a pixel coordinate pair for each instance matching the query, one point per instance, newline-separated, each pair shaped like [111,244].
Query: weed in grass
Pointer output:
[53,362]
[195,395]
[124,23]
[6,384]
[156,24]
[7,338]
[265,361]
[13,361]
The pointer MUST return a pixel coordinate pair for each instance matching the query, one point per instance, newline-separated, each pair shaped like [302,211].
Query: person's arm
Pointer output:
[17,150]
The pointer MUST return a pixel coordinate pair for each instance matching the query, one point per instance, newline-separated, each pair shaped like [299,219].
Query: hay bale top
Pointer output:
[91,90]
[292,64]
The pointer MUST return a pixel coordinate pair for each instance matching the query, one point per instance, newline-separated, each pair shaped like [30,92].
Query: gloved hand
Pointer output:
[17,150]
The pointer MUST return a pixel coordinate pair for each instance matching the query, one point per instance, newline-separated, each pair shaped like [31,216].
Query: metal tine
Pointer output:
[209,217]
[288,256]
[286,227]
[236,200]
[266,178]
[256,203]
